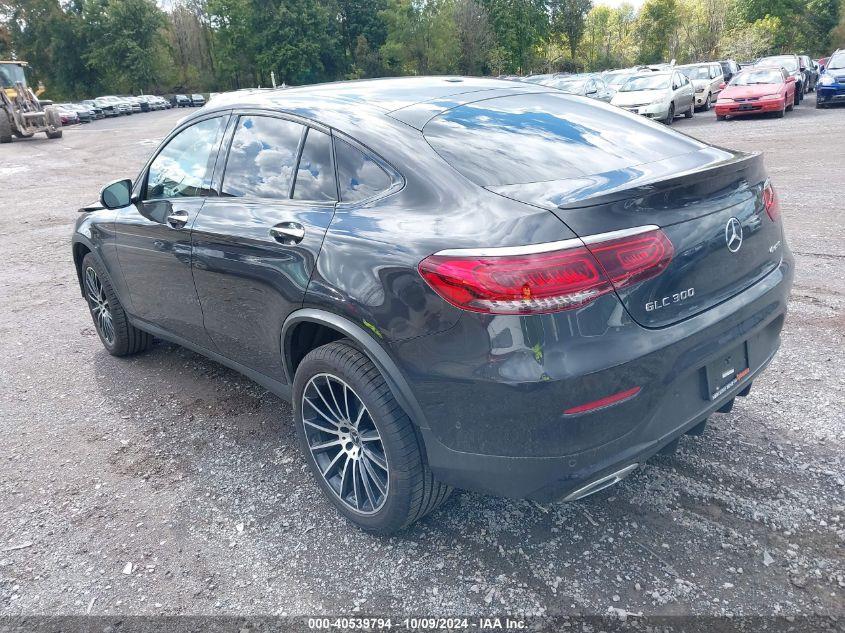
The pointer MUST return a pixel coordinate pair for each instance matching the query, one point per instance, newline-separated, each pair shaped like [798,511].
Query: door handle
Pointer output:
[288,233]
[177,219]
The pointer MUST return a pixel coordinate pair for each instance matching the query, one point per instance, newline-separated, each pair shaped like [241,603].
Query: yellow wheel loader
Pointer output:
[21,112]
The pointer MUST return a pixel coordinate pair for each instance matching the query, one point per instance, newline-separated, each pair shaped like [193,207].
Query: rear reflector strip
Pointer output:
[601,403]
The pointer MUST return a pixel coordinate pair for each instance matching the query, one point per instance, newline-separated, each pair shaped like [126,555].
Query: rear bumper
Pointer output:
[497,425]
[757,107]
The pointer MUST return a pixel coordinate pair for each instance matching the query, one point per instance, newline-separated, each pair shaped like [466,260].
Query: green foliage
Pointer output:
[657,27]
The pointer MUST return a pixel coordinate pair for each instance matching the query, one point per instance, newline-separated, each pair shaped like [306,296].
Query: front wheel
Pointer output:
[691,112]
[118,335]
[359,444]
[671,115]
[707,101]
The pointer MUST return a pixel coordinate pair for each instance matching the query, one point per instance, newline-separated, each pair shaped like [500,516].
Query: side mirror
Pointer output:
[117,194]
[722,85]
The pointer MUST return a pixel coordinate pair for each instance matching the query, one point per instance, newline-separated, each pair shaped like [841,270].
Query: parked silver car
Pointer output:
[585,85]
[658,95]
[707,79]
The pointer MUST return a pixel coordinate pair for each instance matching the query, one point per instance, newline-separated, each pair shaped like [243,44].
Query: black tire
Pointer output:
[411,490]
[5,128]
[791,106]
[691,112]
[721,117]
[819,106]
[799,94]
[780,113]
[55,123]
[126,339]
[671,115]
[706,106]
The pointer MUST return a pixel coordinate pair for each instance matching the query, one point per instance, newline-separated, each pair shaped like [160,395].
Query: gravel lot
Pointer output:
[167,484]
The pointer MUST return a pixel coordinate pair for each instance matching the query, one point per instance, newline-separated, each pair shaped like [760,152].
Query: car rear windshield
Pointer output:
[543,137]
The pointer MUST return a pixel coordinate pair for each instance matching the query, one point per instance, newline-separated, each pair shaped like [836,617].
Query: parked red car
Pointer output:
[757,90]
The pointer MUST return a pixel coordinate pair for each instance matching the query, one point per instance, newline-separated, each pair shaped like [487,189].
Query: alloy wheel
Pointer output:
[345,443]
[99,303]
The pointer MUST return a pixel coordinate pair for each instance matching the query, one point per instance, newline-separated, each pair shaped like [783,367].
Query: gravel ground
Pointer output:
[167,484]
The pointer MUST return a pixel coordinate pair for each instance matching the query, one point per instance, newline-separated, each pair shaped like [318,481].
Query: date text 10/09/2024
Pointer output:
[416,624]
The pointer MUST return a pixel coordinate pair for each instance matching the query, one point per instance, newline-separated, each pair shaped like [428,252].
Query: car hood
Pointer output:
[639,97]
[700,83]
[744,92]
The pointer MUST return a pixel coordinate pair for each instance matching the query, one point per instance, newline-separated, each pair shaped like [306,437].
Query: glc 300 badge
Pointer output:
[733,235]
[677,297]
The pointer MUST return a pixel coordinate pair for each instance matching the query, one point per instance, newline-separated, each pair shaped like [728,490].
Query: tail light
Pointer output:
[546,277]
[771,202]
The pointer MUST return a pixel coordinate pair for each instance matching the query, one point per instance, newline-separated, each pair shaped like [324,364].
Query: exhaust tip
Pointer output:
[600,484]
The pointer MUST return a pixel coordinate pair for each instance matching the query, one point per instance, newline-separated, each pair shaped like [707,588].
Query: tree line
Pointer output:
[85,47]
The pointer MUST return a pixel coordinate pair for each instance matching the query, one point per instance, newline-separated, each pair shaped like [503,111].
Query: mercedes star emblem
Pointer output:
[733,235]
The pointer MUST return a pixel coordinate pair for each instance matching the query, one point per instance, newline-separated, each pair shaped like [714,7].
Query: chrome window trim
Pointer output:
[545,247]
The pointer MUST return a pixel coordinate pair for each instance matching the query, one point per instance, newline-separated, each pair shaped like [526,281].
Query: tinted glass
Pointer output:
[647,82]
[358,175]
[787,61]
[752,77]
[315,176]
[262,158]
[541,137]
[182,169]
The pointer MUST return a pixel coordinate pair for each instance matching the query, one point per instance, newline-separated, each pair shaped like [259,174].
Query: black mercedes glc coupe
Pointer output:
[458,282]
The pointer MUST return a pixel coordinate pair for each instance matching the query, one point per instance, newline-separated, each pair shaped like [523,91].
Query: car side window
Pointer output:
[262,158]
[315,176]
[183,168]
[359,176]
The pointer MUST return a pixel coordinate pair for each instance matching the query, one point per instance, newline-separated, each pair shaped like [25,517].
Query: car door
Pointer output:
[153,234]
[685,93]
[716,80]
[256,244]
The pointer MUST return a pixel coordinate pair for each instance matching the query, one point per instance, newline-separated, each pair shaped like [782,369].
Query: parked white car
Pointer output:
[707,79]
[661,95]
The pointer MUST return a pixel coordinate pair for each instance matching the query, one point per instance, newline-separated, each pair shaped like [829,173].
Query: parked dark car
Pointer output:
[181,101]
[729,69]
[811,73]
[793,66]
[411,263]
[197,100]
[92,105]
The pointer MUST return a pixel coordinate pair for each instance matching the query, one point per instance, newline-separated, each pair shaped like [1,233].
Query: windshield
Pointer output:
[616,79]
[571,86]
[696,72]
[752,77]
[790,63]
[10,74]
[836,62]
[646,82]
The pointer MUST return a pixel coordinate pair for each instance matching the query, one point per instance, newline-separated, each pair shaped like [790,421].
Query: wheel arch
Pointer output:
[308,328]
[80,250]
